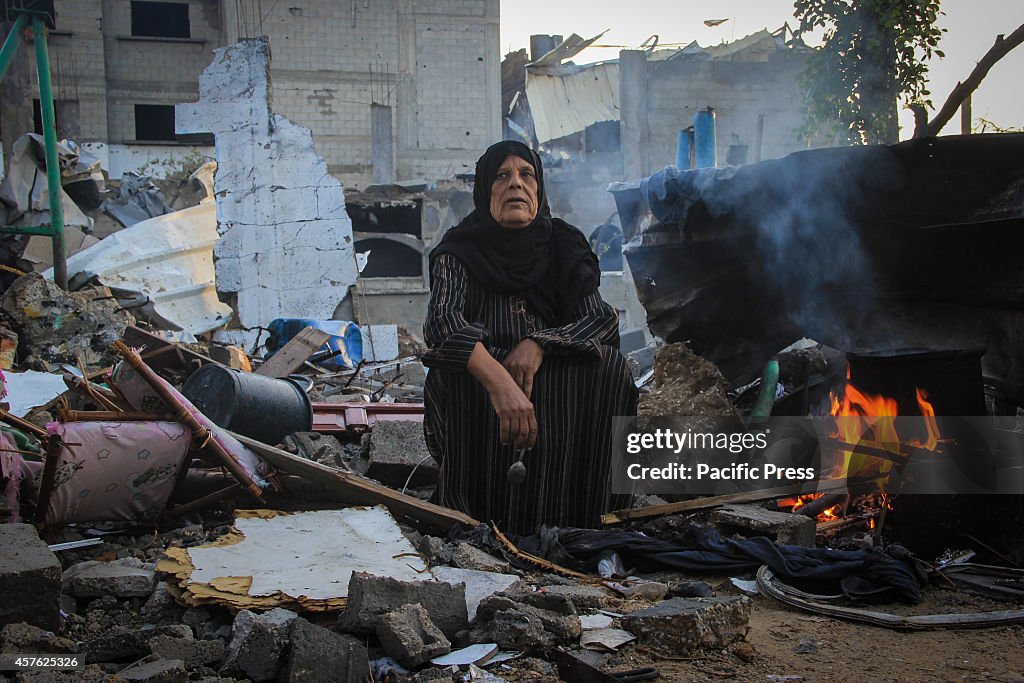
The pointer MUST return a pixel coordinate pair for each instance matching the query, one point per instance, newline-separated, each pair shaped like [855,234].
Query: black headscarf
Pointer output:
[549,262]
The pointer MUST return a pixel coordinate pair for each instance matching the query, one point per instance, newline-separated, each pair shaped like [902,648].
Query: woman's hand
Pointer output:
[516,417]
[523,362]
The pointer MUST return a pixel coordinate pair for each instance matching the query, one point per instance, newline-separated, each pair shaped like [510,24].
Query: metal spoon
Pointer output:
[516,474]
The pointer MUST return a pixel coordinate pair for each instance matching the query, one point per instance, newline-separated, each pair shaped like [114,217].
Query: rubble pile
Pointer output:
[319,557]
[685,384]
[64,327]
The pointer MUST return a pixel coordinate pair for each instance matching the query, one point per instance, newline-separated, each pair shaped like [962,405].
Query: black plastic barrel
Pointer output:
[262,408]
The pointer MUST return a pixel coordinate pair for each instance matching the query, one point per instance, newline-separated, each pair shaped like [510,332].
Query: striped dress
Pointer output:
[582,384]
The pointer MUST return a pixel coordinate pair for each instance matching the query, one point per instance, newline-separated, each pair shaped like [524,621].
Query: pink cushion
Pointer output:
[111,471]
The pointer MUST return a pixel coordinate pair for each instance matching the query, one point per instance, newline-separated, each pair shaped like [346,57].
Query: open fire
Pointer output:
[865,422]
[867,445]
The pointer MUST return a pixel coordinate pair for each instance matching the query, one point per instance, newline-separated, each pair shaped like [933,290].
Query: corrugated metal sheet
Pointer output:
[568,101]
[169,259]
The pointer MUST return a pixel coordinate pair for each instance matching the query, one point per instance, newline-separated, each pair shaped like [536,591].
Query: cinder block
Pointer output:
[408,635]
[782,527]
[29,578]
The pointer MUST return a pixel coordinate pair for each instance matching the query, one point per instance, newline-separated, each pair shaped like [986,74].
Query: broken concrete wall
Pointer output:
[286,241]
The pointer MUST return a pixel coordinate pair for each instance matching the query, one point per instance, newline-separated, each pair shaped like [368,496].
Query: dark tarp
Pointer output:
[881,247]
[862,575]
[868,576]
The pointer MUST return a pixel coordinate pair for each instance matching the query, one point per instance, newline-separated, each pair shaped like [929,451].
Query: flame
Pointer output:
[797,502]
[932,427]
[868,420]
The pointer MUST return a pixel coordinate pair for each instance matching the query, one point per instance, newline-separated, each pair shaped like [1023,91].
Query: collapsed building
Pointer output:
[138,486]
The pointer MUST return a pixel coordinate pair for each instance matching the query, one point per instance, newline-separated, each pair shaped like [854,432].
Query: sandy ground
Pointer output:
[853,652]
[785,645]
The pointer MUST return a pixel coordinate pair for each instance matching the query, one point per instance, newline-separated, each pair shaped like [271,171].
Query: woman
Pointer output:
[524,358]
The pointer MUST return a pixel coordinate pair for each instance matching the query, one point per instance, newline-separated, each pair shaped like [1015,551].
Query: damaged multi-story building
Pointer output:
[371,79]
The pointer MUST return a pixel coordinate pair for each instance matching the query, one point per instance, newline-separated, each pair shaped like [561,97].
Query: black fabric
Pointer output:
[868,576]
[549,262]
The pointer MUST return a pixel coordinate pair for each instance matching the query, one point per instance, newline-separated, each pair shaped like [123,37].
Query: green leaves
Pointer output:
[873,56]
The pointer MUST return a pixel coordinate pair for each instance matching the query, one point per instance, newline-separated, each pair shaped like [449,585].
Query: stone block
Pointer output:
[468,556]
[160,603]
[29,578]
[436,550]
[120,578]
[513,625]
[257,643]
[580,597]
[322,448]
[321,656]
[479,585]
[410,637]
[691,589]
[65,327]
[371,596]
[782,527]
[395,449]
[193,653]
[682,625]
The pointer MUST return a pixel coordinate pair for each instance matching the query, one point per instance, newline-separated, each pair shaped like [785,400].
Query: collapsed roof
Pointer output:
[565,98]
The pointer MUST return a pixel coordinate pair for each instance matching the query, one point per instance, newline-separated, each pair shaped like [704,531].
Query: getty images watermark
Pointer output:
[720,455]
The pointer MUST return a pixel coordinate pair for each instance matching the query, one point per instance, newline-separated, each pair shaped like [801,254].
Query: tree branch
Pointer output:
[1002,46]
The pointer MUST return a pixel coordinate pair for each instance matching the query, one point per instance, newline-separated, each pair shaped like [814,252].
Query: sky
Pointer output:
[972,28]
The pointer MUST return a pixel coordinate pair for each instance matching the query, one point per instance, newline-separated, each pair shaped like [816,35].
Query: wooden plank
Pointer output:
[156,352]
[292,355]
[360,491]
[824,486]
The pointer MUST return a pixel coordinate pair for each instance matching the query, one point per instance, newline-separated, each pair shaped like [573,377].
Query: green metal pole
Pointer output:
[11,45]
[60,264]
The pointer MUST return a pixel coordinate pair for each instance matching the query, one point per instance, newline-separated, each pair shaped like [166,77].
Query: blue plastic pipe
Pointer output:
[704,139]
[684,146]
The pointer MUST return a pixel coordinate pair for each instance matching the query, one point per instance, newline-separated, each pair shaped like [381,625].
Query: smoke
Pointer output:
[805,210]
